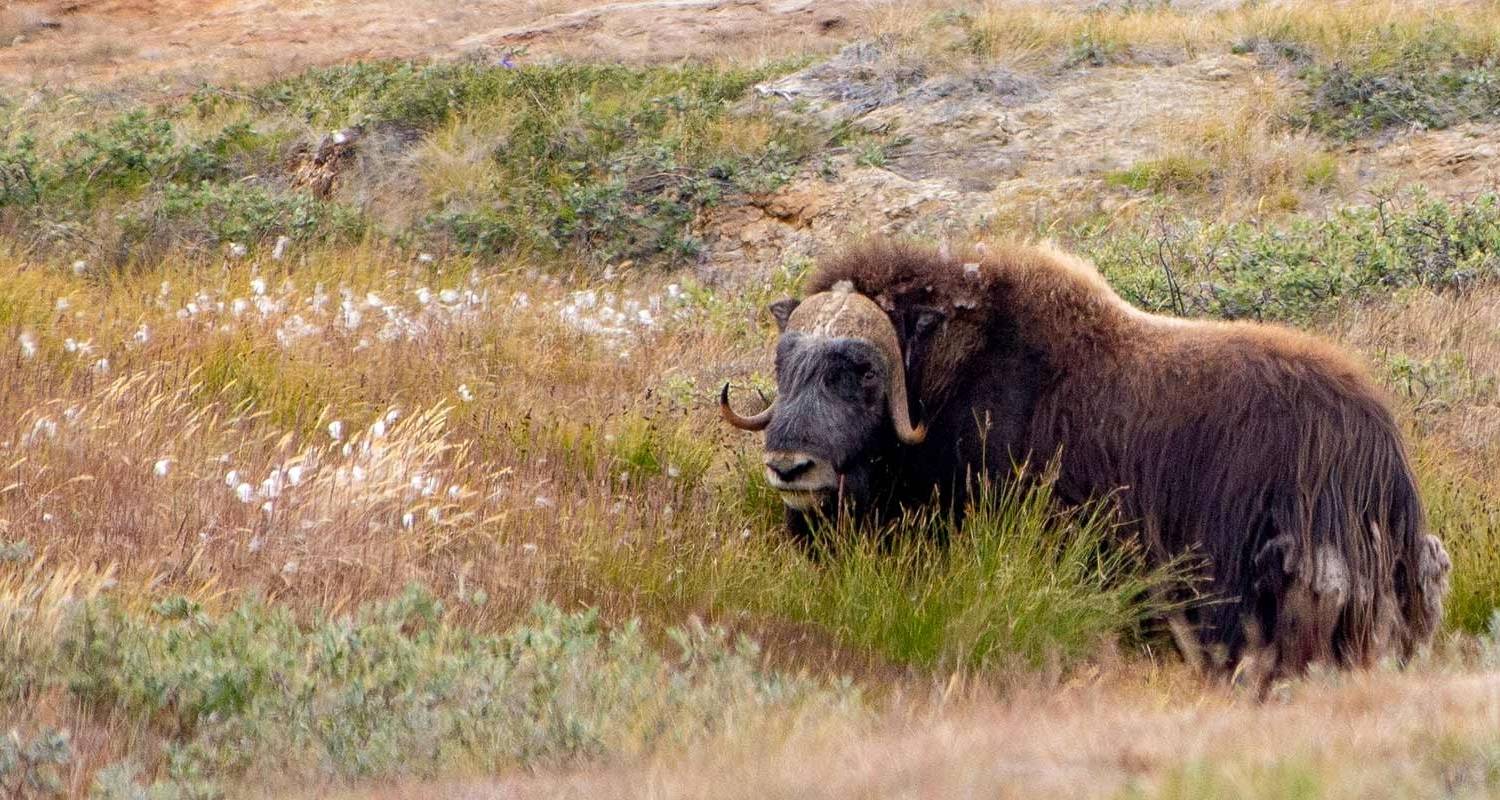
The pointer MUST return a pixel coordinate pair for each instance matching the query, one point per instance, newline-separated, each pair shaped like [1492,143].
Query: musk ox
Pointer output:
[1265,456]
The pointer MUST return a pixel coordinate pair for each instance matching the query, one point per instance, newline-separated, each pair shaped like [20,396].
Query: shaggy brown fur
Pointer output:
[1265,452]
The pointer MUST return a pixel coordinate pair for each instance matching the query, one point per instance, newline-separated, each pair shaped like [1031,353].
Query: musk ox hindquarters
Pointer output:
[1263,455]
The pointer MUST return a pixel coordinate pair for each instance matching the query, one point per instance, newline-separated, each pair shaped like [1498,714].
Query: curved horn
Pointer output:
[900,417]
[757,422]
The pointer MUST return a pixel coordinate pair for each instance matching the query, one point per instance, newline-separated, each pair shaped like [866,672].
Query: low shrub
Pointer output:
[394,691]
[1302,269]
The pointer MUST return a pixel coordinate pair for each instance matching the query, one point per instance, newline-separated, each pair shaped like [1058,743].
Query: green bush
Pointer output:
[1297,271]
[481,232]
[1391,77]
[612,162]
[401,93]
[1352,101]
[606,162]
[395,691]
[238,212]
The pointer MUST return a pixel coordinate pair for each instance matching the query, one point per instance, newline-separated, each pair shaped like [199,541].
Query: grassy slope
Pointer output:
[184,431]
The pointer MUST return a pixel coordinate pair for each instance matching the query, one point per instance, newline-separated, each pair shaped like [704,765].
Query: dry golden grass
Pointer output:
[1024,34]
[1452,342]
[494,429]
[1239,160]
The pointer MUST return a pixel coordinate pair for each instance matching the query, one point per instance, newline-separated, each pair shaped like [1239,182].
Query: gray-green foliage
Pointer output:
[394,690]
[1299,270]
[1396,81]
[153,187]
[34,766]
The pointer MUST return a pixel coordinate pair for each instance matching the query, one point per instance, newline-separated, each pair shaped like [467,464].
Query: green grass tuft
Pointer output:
[1019,583]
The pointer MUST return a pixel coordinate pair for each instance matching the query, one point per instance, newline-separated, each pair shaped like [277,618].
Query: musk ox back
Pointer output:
[1263,456]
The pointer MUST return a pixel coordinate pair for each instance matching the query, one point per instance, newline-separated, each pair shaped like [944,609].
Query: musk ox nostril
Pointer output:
[788,467]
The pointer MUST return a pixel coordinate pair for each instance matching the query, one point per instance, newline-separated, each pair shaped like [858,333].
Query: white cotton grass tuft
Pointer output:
[464,393]
[271,486]
[245,492]
[28,344]
[43,428]
[161,467]
[258,286]
[336,430]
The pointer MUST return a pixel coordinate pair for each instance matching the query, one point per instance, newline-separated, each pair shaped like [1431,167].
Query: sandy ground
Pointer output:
[90,42]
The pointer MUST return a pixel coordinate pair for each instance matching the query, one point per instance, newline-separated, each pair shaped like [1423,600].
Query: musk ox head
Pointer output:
[841,403]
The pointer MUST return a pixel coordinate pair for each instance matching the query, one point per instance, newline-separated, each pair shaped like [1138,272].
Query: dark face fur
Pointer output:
[832,425]
[842,410]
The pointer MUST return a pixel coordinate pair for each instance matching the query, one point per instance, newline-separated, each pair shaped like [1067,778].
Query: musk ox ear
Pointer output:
[782,311]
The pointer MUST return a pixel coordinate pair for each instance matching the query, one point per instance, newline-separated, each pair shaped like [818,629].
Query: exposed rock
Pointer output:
[1453,162]
[317,169]
[967,146]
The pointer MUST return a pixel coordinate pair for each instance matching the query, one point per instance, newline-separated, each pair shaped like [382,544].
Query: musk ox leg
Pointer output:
[1299,600]
[1187,639]
[1424,602]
